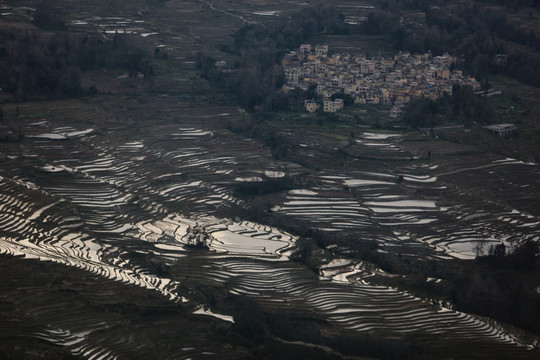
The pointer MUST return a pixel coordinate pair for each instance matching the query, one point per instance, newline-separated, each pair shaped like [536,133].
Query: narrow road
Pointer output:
[223,11]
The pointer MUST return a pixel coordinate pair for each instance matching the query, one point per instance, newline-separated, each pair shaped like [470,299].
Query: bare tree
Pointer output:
[479,246]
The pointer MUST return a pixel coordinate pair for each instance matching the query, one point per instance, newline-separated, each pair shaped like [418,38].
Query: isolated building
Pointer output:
[501,129]
[321,50]
[311,105]
[305,48]
[333,105]
[396,111]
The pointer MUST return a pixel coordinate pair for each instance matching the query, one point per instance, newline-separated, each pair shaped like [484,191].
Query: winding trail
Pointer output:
[211,5]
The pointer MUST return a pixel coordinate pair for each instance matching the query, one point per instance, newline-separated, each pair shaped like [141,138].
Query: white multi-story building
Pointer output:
[292,74]
[333,105]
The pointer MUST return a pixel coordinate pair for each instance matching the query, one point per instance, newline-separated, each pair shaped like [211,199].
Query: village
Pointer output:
[384,80]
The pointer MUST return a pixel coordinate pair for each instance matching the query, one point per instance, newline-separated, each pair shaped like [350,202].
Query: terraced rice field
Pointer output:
[444,207]
[132,197]
[115,188]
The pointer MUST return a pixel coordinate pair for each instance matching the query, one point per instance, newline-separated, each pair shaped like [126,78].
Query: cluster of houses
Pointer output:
[374,81]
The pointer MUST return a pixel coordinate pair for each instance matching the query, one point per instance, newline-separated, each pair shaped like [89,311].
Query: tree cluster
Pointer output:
[47,18]
[252,189]
[257,75]
[500,285]
[513,4]
[462,106]
[522,258]
[474,33]
[494,292]
[35,64]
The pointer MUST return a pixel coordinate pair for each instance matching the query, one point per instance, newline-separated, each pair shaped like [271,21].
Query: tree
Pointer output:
[276,102]
[205,63]
[420,113]
[47,18]
[347,99]
[70,82]
[524,257]
[478,248]
[499,251]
